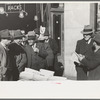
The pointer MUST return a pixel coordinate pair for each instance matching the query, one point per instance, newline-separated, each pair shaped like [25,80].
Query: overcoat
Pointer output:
[50,57]
[36,61]
[20,55]
[8,69]
[3,61]
[54,47]
[85,49]
[93,65]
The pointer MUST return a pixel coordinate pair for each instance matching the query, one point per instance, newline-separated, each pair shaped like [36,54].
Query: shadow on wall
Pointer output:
[69,70]
[70,45]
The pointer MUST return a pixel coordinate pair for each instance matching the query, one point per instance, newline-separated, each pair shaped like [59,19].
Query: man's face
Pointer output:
[6,41]
[18,41]
[87,36]
[31,42]
[42,30]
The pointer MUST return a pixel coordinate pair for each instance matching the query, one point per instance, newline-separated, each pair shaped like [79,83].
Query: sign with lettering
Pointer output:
[14,7]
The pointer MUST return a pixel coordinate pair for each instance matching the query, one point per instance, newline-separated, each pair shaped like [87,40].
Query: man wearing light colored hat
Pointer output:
[84,47]
[92,62]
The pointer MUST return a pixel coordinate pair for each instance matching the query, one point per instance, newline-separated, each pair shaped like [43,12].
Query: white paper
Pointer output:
[74,57]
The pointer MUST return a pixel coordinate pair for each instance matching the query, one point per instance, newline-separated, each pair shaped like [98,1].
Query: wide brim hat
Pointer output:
[5,34]
[87,30]
[97,37]
[18,34]
[31,35]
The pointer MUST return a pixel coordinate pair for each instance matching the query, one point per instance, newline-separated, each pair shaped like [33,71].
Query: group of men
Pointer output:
[34,50]
[88,53]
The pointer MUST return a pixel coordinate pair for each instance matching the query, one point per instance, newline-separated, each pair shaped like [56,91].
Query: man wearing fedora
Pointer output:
[92,62]
[36,53]
[52,50]
[6,59]
[84,47]
[50,57]
[18,51]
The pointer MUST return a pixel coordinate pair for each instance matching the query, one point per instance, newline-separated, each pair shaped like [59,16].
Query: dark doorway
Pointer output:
[57,30]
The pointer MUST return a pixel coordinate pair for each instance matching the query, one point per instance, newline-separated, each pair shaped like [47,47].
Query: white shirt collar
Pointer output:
[89,41]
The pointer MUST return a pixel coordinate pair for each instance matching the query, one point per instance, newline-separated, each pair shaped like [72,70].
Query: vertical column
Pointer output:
[41,8]
[93,15]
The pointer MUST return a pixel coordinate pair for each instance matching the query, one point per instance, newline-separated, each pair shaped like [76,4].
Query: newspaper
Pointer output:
[74,57]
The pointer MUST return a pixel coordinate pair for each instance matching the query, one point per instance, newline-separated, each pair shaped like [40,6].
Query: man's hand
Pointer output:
[35,48]
[81,57]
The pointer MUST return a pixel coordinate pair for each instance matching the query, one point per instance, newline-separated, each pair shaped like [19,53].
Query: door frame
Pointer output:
[60,56]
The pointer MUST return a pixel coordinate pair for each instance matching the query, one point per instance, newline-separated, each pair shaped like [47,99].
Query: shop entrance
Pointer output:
[57,29]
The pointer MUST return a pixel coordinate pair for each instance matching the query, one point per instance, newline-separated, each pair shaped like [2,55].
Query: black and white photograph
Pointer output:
[32,41]
[50,49]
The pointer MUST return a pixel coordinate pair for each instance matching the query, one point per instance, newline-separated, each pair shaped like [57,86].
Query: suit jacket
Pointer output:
[36,60]
[19,53]
[8,71]
[53,46]
[85,49]
[93,65]
[50,57]
[3,61]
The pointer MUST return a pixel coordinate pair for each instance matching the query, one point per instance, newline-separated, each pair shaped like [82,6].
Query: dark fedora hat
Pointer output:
[87,30]
[5,34]
[18,34]
[97,37]
[46,33]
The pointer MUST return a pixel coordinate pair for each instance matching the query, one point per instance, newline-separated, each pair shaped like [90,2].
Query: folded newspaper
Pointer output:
[74,57]
[31,74]
[42,75]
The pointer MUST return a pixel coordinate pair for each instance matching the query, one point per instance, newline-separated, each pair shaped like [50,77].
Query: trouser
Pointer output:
[11,75]
[81,73]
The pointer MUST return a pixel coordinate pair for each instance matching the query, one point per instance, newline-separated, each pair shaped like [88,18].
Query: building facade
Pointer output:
[76,15]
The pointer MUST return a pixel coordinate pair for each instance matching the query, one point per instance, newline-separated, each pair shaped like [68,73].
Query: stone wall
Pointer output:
[76,15]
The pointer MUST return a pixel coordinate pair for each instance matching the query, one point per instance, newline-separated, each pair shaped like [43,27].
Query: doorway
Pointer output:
[57,32]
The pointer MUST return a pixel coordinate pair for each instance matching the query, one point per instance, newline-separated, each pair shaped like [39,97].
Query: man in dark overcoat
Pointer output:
[84,47]
[36,53]
[18,51]
[50,57]
[92,62]
[56,66]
